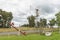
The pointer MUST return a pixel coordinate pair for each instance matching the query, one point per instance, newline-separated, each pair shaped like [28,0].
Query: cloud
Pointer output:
[21,9]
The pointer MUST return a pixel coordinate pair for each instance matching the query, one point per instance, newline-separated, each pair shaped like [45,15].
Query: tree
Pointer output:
[38,24]
[7,17]
[25,25]
[58,20]
[31,20]
[52,22]
[43,22]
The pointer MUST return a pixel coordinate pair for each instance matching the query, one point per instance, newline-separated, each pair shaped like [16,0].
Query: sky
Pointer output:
[21,9]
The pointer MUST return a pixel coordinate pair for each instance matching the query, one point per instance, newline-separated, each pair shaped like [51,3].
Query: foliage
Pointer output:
[58,18]
[52,22]
[6,16]
[25,25]
[31,20]
[43,22]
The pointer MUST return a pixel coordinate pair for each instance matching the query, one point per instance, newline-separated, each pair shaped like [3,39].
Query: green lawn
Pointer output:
[54,36]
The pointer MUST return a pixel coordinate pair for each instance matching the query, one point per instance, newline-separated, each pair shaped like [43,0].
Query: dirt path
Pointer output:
[16,33]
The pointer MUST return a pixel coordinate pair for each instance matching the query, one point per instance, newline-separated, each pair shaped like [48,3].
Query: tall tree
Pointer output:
[58,20]
[43,22]
[52,22]
[6,16]
[31,20]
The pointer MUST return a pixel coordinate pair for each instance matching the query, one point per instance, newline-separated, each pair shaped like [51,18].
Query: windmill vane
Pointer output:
[37,13]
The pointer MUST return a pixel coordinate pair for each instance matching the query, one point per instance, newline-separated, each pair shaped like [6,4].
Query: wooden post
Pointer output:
[19,31]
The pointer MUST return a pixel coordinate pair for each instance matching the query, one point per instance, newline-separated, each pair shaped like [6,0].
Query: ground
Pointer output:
[54,36]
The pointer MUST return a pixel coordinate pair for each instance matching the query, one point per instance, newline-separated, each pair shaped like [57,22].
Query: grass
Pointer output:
[54,36]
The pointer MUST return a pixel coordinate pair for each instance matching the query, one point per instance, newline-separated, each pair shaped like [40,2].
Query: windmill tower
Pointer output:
[36,20]
[37,14]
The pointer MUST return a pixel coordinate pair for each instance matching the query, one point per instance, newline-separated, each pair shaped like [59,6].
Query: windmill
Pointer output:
[36,18]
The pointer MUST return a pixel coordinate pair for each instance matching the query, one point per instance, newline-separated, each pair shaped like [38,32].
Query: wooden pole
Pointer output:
[19,31]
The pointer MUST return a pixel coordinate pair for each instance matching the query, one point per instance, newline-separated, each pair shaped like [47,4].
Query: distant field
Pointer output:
[23,28]
[54,36]
[12,29]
